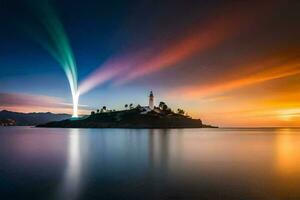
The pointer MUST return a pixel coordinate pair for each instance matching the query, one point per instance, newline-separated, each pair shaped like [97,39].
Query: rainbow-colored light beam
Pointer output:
[57,44]
[112,68]
[231,20]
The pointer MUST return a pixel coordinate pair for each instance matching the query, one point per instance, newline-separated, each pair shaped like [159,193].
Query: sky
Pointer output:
[230,63]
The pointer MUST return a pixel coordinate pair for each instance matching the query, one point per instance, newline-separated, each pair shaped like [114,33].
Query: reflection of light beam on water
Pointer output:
[71,182]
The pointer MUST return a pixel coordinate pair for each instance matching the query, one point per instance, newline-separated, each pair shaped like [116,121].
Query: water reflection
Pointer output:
[72,175]
[72,164]
[158,148]
[287,152]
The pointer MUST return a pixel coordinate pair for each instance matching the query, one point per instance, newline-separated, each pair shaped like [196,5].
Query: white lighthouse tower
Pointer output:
[151,100]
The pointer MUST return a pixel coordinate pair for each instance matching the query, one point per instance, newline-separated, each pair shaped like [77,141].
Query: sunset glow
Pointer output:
[131,99]
[231,63]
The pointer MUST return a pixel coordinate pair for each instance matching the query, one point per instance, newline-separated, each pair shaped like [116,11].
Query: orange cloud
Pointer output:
[267,74]
[265,96]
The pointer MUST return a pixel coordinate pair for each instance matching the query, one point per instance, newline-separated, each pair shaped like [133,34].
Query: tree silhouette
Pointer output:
[126,106]
[180,111]
[93,112]
[131,106]
[163,106]
[98,110]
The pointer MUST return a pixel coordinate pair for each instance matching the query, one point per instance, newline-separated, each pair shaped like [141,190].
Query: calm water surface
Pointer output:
[134,164]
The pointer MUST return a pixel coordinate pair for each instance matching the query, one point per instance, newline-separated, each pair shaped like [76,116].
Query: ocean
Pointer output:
[84,164]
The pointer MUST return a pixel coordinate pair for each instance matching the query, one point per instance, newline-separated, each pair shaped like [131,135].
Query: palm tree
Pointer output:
[104,107]
[93,112]
[126,106]
[98,110]
[131,106]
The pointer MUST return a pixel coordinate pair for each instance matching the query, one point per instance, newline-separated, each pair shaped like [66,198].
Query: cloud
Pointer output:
[230,21]
[33,103]
[269,73]
[16,99]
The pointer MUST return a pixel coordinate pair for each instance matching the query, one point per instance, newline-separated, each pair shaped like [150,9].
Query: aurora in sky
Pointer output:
[57,45]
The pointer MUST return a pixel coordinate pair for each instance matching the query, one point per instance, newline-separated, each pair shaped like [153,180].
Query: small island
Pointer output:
[133,117]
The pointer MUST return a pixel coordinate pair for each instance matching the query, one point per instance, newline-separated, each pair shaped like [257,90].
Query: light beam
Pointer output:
[58,46]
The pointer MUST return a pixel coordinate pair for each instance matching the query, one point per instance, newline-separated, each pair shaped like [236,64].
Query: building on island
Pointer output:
[151,106]
[151,100]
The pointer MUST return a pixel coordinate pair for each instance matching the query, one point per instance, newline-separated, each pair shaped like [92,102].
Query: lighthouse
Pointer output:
[151,100]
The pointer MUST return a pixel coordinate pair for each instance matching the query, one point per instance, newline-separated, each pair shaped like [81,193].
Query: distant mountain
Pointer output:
[31,119]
